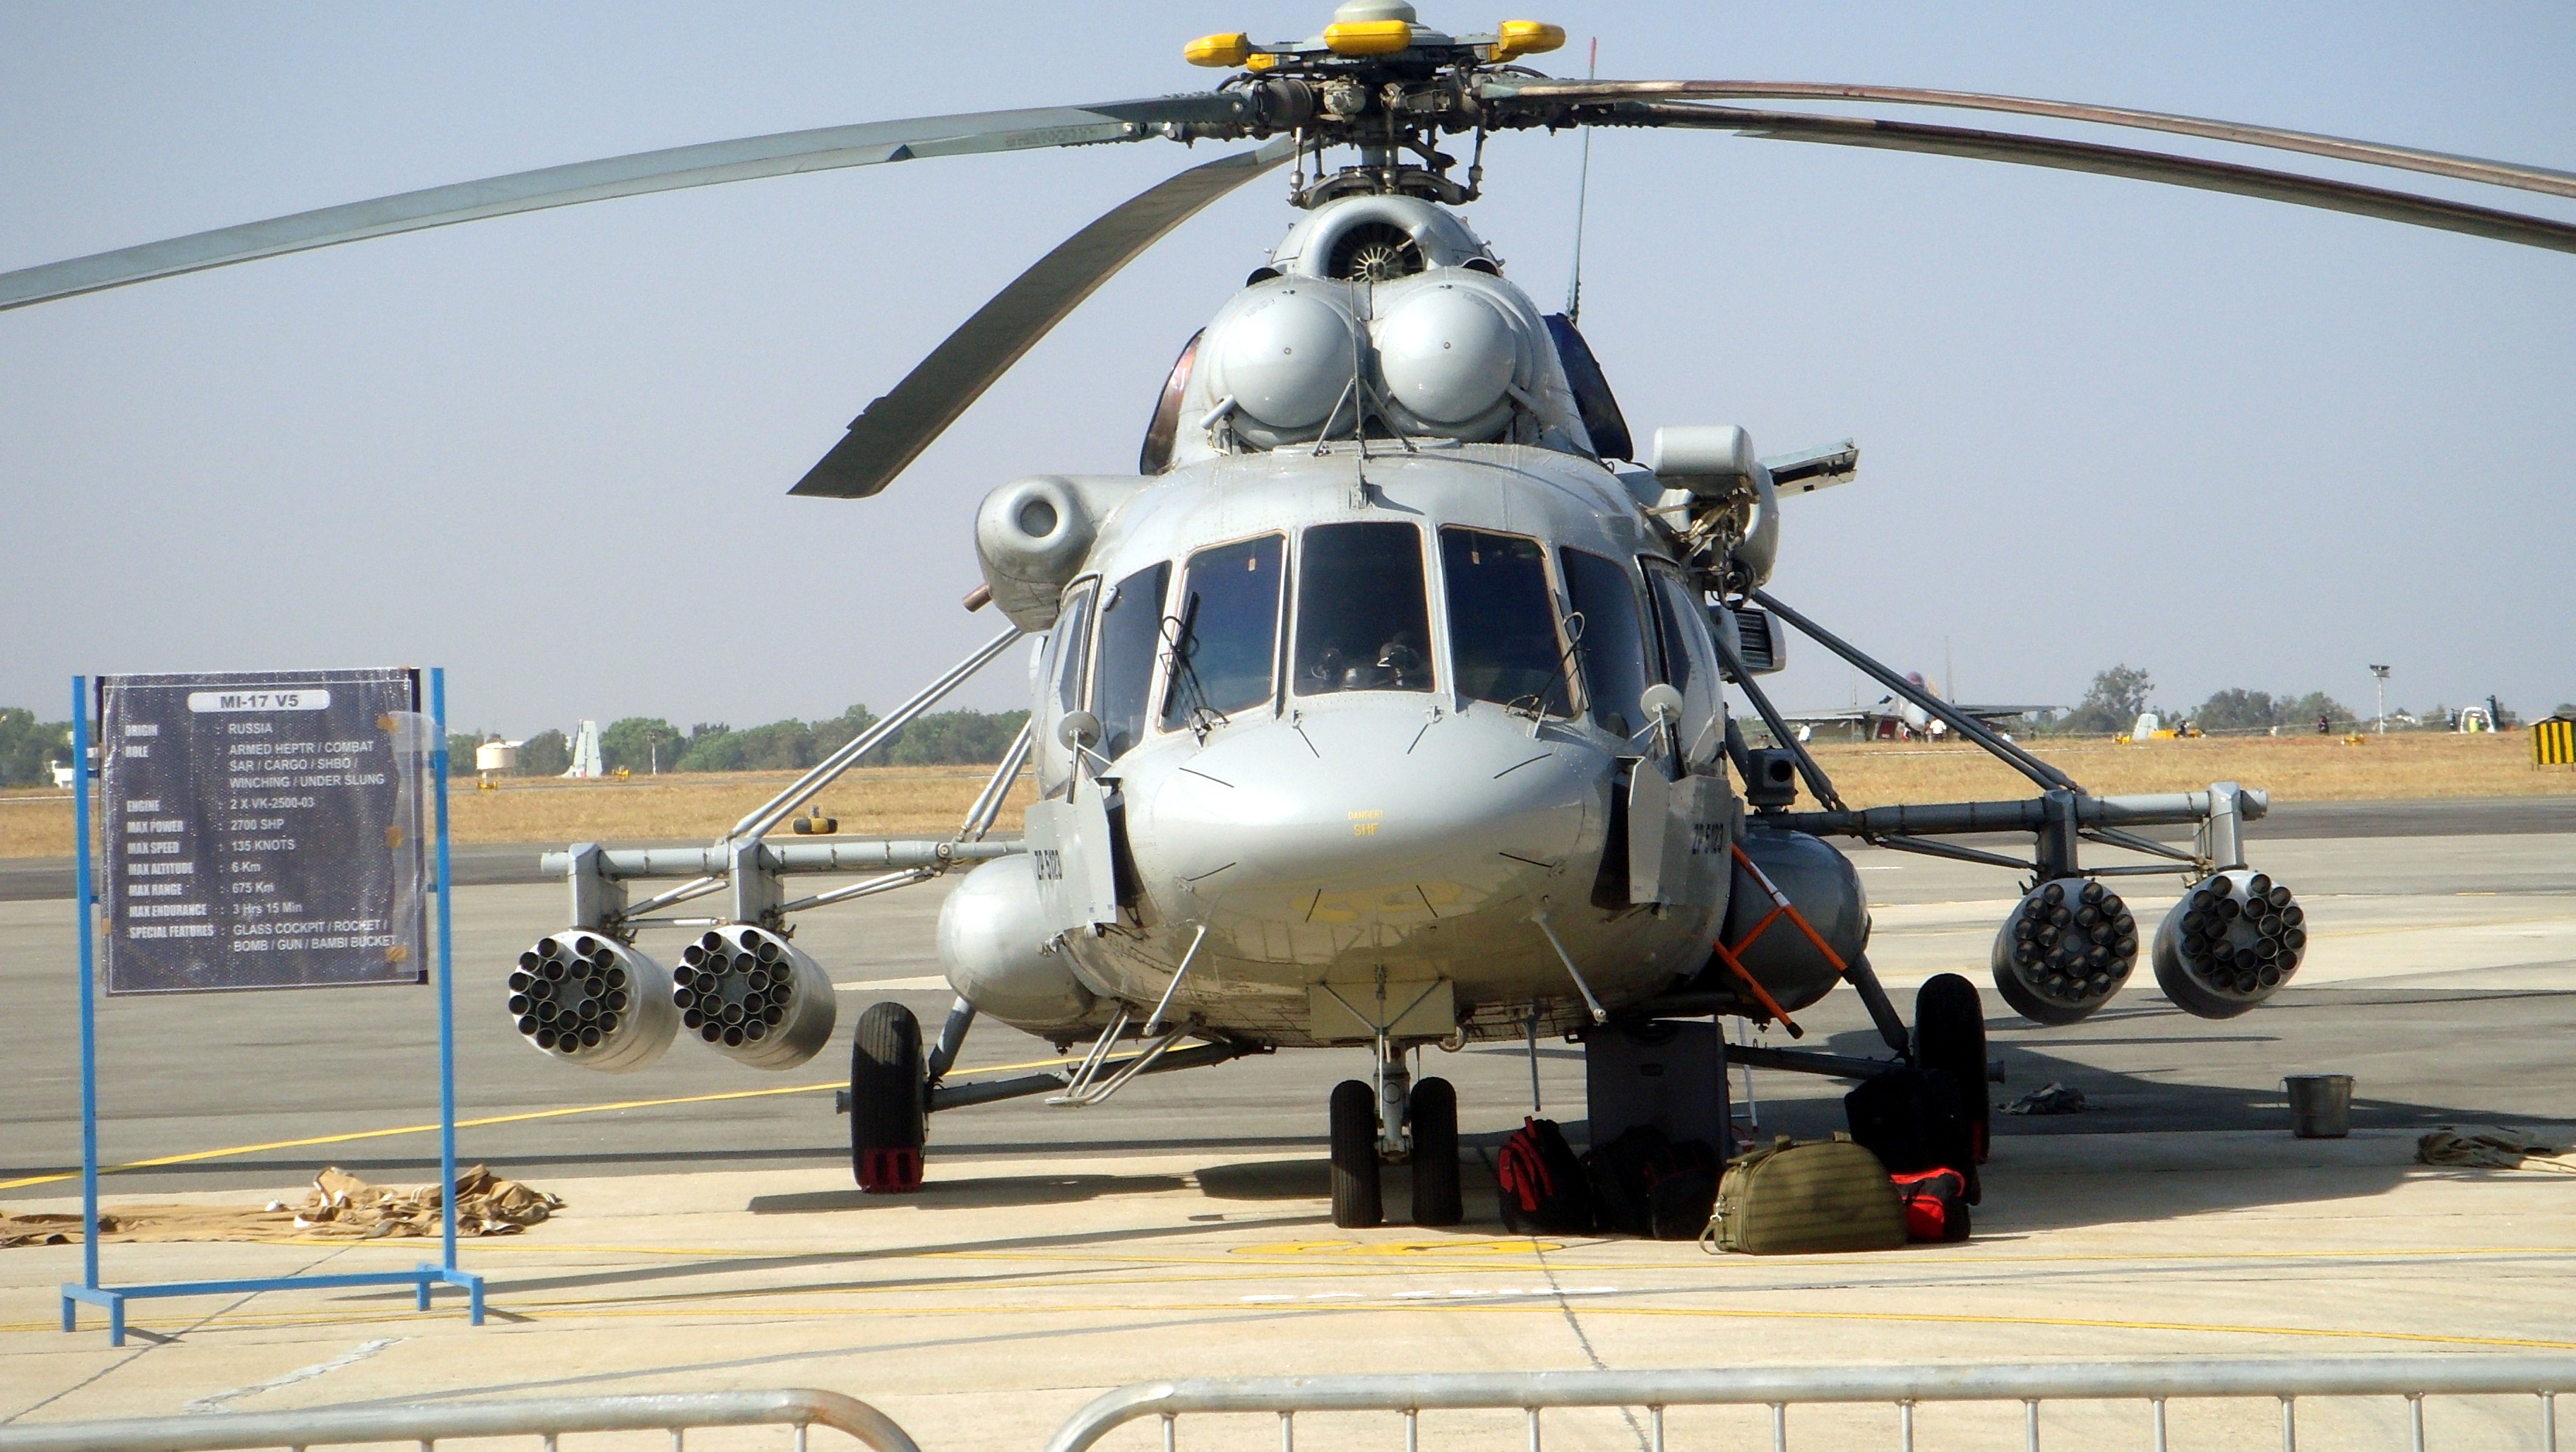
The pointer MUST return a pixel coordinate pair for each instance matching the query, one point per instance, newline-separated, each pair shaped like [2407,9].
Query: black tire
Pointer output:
[1356,1205]
[887,1122]
[1433,1108]
[1950,1036]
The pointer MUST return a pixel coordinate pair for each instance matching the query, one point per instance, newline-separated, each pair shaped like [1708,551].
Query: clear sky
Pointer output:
[2235,443]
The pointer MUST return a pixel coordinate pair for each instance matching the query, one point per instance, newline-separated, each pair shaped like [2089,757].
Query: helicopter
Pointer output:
[1385,704]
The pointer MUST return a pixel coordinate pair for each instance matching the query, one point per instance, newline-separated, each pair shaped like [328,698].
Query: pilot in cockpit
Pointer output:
[1398,665]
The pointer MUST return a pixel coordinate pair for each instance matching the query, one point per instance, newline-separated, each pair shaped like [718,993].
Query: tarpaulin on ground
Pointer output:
[2492,1147]
[340,1206]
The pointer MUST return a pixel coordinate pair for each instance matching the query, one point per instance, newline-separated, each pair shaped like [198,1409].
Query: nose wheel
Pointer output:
[1434,1112]
[1429,1109]
[1355,1189]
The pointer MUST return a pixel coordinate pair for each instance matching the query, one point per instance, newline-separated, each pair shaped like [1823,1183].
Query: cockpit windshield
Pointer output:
[1223,637]
[1503,640]
[1363,618]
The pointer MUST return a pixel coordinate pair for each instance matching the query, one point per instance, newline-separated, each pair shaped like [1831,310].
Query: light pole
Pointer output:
[2379,676]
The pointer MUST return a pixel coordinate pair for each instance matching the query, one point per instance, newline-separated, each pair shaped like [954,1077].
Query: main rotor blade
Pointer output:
[2438,163]
[619,176]
[2062,155]
[893,431]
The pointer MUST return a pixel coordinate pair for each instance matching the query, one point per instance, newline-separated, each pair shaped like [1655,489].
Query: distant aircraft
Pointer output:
[587,761]
[1895,720]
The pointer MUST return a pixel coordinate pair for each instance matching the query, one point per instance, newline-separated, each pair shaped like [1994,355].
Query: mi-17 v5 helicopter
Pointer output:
[1383,705]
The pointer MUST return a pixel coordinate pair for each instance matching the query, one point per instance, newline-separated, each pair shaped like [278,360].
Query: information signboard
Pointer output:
[263,830]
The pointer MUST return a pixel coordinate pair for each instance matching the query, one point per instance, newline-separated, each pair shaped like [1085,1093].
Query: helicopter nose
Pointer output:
[1373,814]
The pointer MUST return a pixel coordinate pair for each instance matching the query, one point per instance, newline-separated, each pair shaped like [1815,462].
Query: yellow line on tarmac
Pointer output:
[2393,929]
[251,1149]
[1546,1306]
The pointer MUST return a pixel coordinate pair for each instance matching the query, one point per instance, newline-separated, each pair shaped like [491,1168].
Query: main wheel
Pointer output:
[1433,1108]
[887,1118]
[1950,1035]
[1355,1189]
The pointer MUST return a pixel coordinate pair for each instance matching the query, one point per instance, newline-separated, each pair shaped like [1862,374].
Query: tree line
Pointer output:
[2121,694]
[644,745]
[29,748]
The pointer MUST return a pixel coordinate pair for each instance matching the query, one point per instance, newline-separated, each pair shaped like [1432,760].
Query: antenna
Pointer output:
[1582,194]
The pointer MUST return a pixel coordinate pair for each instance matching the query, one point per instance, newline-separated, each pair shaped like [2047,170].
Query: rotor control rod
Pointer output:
[830,768]
[2027,815]
[796,857]
[2048,777]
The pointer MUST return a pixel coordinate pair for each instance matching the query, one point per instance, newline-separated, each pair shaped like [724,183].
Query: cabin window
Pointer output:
[1672,657]
[1122,679]
[1067,644]
[1503,640]
[1684,618]
[1611,642]
[1224,632]
[1363,618]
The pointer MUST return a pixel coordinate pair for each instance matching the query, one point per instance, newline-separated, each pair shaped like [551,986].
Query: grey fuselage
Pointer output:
[1363,831]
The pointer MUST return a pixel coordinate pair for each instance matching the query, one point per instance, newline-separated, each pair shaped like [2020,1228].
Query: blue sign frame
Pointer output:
[422,1278]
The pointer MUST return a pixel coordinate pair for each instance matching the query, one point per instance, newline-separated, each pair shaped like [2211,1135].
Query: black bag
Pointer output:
[1629,1177]
[1678,1208]
[1541,1182]
[1911,1120]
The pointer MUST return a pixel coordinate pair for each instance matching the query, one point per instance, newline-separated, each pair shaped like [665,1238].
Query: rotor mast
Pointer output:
[1382,83]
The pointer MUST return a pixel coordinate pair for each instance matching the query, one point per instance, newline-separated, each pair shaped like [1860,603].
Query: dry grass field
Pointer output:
[889,801]
[2292,768]
[928,801]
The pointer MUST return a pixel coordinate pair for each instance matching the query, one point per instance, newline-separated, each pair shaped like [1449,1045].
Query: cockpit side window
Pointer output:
[1678,655]
[1223,636]
[1690,656]
[1503,640]
[1068,644]
[1122,678]
[1363,618]
[1612,644]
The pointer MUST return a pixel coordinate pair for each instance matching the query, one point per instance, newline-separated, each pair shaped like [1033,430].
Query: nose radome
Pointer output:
[1353,806]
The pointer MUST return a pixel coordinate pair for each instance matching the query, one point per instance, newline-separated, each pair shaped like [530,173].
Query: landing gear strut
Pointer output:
[1390,1122]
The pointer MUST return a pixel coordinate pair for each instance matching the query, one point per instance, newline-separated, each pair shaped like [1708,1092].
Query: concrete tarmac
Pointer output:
[1182,1228]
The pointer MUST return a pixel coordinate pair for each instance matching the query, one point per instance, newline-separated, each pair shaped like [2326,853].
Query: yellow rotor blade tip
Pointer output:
[1368,37]
[1526,37]
[1218,51]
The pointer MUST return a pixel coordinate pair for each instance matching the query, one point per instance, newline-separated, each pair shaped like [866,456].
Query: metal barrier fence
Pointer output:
[429,1425]
[2155,1383]
[1904,1387]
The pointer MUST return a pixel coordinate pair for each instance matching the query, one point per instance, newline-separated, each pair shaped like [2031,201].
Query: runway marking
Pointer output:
[235,1151]
[2440,927]
[1095,1308]
[1400,1247]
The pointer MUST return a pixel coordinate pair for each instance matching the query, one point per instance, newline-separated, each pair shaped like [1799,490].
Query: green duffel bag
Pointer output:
[1802,1199]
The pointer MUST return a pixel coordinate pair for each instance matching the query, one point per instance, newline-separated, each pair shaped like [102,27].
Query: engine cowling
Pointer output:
[992,939]
[2230,944]
[2065,949]
[1825,888]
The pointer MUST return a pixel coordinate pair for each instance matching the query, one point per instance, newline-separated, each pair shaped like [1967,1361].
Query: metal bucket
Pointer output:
[2320,1105]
